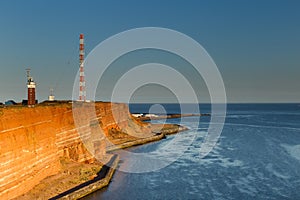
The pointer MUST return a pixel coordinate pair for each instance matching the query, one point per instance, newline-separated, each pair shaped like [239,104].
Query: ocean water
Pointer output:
[257,157]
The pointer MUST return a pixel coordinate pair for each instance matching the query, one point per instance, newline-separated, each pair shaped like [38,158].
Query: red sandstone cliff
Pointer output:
[33,139]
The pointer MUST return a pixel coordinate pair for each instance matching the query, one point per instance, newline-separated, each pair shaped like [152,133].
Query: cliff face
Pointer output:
[33,139]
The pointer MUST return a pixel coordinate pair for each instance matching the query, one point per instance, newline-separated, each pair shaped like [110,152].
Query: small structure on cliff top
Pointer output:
[30,90]
[10,103]
[51,96]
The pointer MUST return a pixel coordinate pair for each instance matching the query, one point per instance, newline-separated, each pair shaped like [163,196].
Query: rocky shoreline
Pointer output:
[143,117]
[172,129]
[103,177]
[100,181]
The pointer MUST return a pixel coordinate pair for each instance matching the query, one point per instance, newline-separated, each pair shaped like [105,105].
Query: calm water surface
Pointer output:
[257,157]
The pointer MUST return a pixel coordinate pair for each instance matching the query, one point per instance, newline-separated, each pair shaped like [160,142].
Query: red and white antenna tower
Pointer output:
[82,92]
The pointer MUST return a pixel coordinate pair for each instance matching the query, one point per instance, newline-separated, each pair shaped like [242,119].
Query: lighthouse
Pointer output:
[30,90]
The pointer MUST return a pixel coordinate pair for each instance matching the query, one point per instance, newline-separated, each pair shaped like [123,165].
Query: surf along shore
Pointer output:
[76,180]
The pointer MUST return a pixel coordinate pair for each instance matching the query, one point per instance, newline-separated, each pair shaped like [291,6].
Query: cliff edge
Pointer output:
[33,141]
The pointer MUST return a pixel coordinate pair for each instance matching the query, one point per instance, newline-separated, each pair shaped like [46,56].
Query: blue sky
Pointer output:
[255,44]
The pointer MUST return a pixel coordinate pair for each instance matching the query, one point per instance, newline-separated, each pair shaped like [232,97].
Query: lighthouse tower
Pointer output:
[30,90]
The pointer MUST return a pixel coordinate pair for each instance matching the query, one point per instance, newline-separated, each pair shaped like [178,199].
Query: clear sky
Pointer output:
[255,44]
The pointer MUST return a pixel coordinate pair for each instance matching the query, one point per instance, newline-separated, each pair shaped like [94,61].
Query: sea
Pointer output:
[257,156]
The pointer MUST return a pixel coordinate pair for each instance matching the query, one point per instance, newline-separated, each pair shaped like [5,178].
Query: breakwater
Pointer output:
[102,180]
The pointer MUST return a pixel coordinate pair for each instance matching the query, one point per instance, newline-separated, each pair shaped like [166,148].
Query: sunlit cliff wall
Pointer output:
[33,139]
